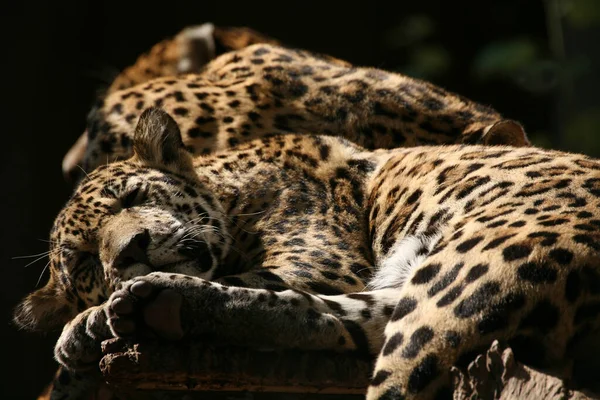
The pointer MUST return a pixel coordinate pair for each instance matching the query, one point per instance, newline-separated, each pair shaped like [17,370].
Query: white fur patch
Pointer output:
[200,31]
[405,256]
[204,33]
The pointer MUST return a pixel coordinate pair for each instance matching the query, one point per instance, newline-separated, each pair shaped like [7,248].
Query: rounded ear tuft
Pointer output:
[157,139]
[506,132]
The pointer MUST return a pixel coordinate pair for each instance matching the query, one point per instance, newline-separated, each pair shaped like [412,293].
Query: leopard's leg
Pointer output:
[419,353]
[78,351]
[78,347]
[432,330]
[174,306]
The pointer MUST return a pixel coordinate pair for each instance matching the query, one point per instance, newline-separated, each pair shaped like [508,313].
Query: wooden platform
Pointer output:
[133,370]
[198,371]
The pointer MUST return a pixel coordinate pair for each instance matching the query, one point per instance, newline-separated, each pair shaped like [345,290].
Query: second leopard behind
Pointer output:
[265,89]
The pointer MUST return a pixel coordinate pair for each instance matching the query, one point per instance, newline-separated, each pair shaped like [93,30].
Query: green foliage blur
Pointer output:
[537,63]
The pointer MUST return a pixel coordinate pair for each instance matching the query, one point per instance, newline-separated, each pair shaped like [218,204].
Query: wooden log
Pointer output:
[196,370]
[133,368]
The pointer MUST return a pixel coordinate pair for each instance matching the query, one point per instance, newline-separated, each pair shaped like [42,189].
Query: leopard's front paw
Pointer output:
[78,347]
[146,306]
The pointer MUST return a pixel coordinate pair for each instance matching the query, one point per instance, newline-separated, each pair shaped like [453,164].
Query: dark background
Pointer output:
[535,61]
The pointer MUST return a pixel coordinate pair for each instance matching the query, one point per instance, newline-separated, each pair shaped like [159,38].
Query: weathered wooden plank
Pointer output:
[193,367]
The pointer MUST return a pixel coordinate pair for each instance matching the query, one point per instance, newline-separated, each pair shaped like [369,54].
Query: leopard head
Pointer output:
[149,213]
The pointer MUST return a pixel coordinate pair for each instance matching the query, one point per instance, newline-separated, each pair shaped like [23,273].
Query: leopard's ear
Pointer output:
[197,47]
[46,309]
[73,159]
[157,142]
[506,132]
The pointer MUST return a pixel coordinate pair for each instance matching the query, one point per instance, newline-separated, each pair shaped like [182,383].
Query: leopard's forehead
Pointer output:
[103,191]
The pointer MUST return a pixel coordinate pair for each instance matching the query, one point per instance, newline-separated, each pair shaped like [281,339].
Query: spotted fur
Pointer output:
[187,52]
[265,89]
[292,235]
[191,49]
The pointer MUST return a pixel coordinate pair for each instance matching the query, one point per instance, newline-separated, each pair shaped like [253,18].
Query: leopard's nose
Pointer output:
[134,251]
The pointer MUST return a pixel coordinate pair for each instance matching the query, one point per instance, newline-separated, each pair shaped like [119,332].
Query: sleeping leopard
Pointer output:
[420,257]
[195,46]
[257,88]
